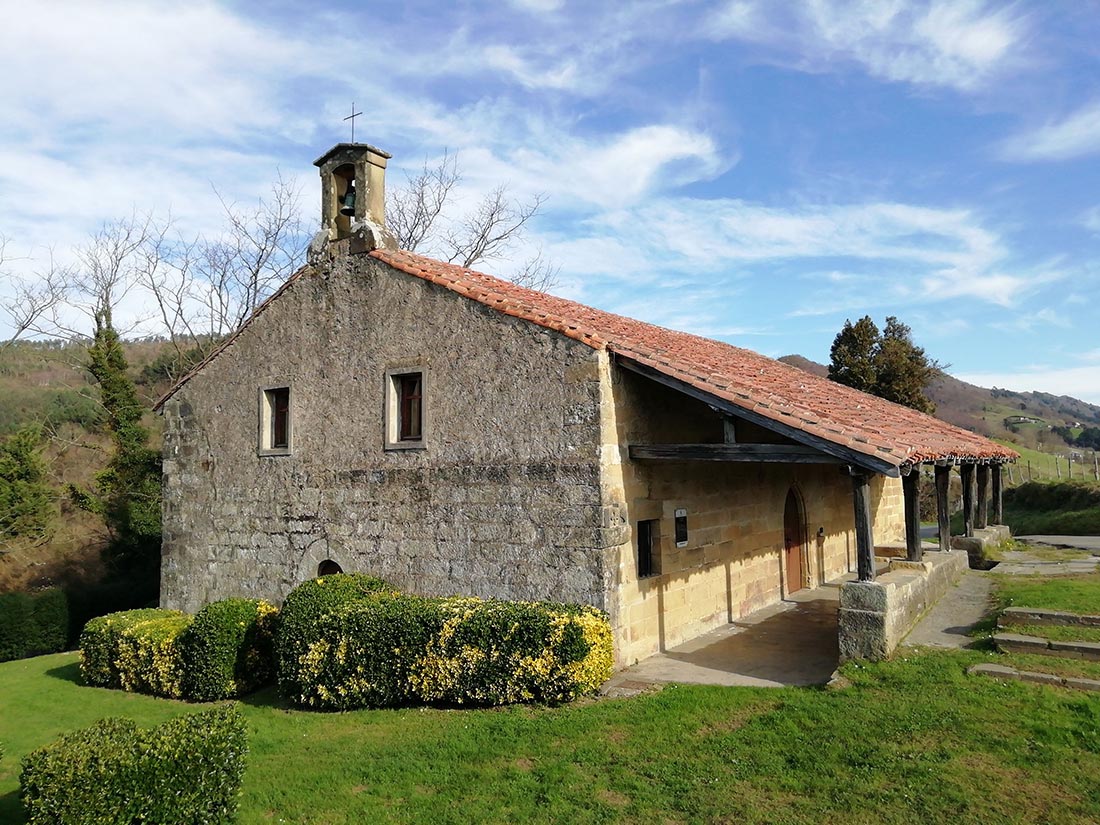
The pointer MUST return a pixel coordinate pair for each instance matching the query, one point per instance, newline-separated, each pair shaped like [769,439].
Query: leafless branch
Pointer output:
[420,216]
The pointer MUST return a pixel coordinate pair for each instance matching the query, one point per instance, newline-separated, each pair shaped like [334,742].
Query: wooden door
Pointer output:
[792,541]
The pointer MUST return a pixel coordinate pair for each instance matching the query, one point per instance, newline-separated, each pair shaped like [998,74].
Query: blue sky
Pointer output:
[753,171]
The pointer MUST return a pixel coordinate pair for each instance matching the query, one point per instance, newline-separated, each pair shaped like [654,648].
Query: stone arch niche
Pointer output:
[328,567]
[343,183]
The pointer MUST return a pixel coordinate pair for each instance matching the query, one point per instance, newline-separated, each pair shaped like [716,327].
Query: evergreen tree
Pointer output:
[127,493]
[887,363]
[852,356]
[26,500]
[902,370]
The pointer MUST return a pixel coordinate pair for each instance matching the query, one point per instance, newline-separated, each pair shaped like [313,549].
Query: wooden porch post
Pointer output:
[943,484]
[967,473]
[997,514]
[981,519]
[910,486]
[865,542]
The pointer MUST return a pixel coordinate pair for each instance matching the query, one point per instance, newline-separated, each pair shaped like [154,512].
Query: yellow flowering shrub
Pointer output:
[395,649]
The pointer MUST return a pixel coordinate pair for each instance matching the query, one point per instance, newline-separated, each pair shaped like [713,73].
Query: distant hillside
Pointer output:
[1023,418]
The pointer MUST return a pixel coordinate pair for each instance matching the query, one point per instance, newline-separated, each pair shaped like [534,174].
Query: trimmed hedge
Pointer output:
[33,623]
[135,650]
[183,772]
[392,649]
[16,625]
[229,649]
[303,608]
[51,620]
[224,651]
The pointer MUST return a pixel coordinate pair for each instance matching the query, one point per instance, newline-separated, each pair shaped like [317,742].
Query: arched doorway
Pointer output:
[329,568]
[794,530]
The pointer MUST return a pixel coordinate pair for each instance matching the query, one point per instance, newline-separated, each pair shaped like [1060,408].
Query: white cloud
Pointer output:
[1079,382]
[1091,219]
[1073,136]
[953,43]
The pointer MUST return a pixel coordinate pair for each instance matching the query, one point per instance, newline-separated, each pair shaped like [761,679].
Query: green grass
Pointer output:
[912,740]
[1058,633]
[1075,594]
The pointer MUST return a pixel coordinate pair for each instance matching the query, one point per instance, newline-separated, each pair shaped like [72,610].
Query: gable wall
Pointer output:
[503,502]
[732,564]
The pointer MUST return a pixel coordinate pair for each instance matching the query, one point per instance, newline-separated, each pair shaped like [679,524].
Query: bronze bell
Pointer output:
[347,202]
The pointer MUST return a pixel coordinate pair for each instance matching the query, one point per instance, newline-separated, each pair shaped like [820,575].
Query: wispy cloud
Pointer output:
[953,43]
[1073,136]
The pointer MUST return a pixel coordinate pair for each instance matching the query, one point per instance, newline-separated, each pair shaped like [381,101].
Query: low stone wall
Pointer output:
[976,545]
[875,616]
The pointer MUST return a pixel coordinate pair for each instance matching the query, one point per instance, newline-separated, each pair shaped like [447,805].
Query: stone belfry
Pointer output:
[353,201]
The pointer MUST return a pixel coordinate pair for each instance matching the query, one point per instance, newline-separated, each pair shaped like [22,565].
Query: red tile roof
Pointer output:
[770,389]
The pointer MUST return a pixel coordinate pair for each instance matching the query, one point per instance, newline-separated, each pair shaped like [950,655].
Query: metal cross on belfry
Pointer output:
[354,114]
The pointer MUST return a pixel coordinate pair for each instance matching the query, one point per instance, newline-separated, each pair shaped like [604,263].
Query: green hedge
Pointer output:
[135,650]
[224,651]
[228,650]
[303,608]
[394,649]
[33,623]
[183,772]
[16,625]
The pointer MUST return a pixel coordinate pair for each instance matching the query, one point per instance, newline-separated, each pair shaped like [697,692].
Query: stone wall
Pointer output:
[875,616]
[732,564]
[503,501]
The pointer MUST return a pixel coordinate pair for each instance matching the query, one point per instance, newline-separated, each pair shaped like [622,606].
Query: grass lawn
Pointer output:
[1075,594]
[1059,633]
[912,740]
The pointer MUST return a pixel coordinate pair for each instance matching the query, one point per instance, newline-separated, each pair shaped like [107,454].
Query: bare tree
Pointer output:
[206,288]
[27,301]
[421,216]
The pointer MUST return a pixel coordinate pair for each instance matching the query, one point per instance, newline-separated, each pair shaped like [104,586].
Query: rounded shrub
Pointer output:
[188,770]
[229,649]
[303,608]
[134,650]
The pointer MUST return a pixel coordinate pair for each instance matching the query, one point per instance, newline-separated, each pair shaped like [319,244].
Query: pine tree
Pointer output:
[127,493]
[852,356]
[887,363]
[26,500]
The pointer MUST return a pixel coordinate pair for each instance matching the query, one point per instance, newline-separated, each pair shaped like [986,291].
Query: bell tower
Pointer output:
[353,196]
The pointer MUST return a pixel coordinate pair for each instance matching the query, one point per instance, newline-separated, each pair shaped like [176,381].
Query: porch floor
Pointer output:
[790,643]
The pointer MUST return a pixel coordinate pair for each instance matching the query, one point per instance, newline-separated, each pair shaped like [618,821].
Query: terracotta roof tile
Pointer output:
[746,379]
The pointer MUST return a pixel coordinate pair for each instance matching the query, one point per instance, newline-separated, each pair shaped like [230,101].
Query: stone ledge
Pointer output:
[1002,672]
[1034,615]
[1017,643]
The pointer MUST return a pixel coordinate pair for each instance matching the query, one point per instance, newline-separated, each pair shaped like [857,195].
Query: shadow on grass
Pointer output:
[267,697]
[67,673]
[11,809]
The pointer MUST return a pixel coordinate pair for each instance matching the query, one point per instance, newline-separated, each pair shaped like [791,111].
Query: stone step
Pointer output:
[1003,672]
[1035,615]
[1018,643]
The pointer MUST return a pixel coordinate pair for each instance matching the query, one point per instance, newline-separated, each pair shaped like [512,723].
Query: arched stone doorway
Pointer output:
[794,543]
[328,568]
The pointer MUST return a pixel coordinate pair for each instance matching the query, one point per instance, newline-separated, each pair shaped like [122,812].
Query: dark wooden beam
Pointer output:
[967,473]
[996,514]
[850,456]
[767,453]
[981,517]
[943,486]
[910,487]
[865,541]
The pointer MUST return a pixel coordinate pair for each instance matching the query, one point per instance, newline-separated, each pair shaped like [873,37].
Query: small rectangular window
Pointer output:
[407,419]
[410,396]
[649,557]
[275,421]
[681,528]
